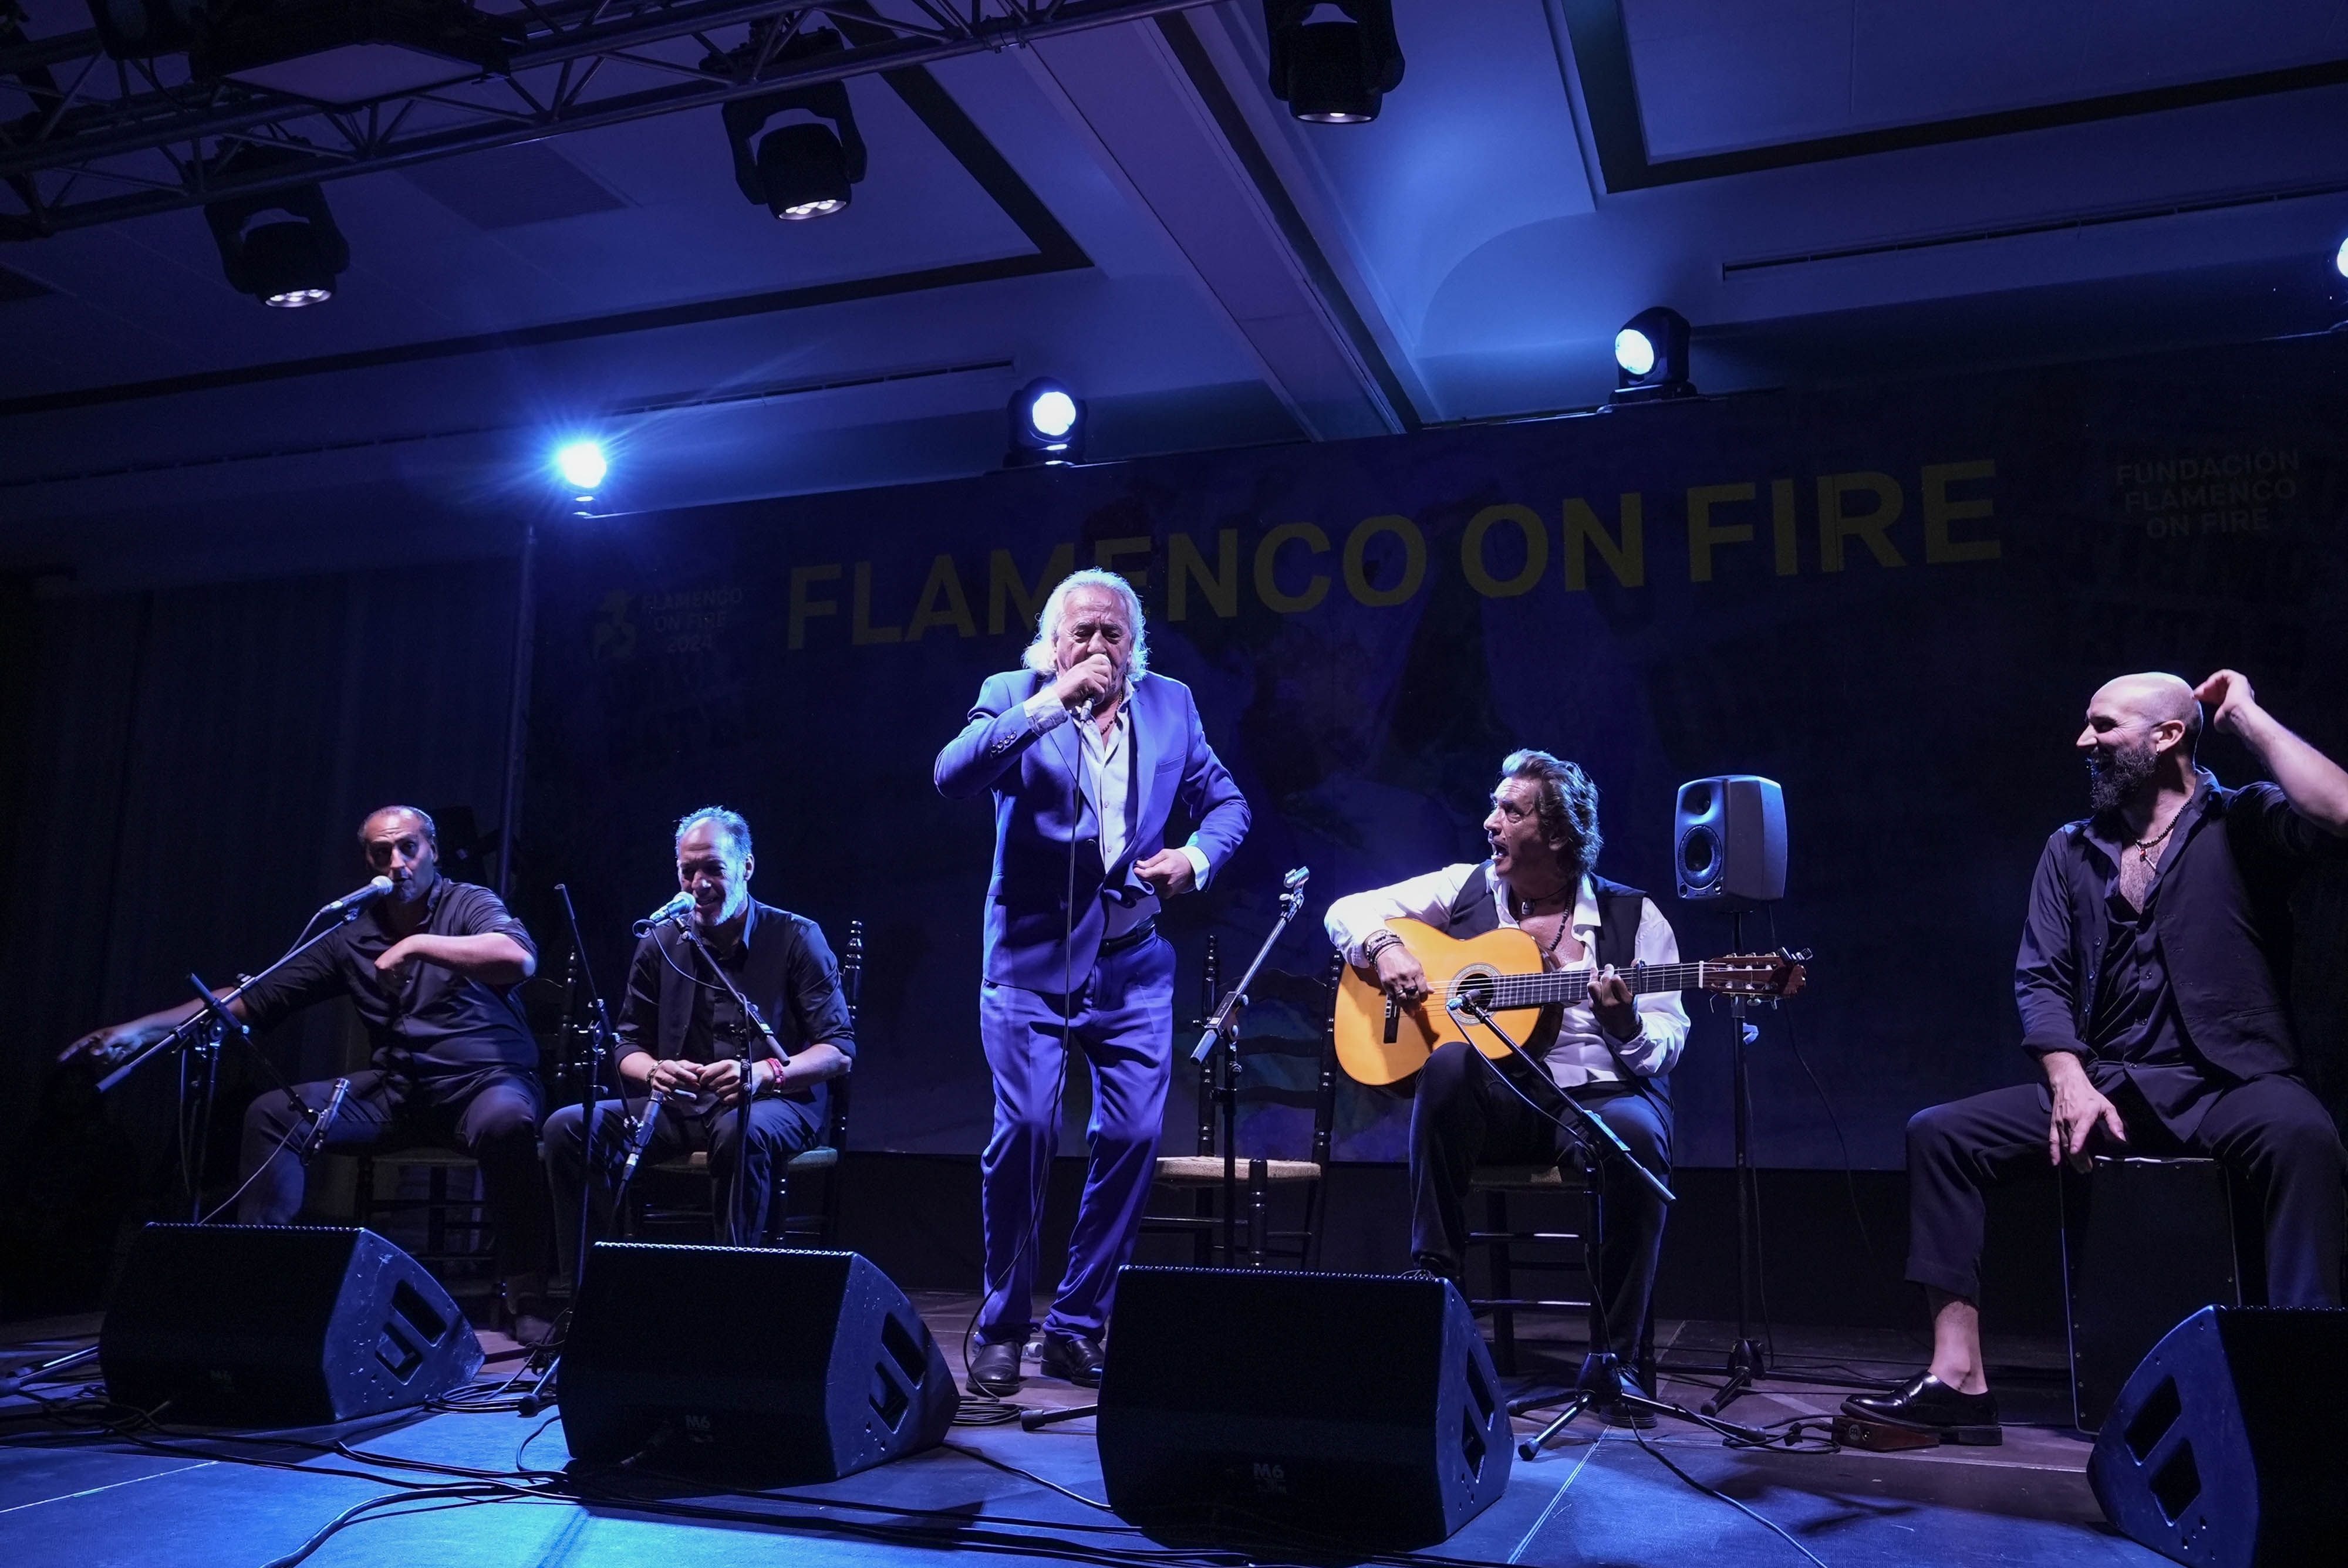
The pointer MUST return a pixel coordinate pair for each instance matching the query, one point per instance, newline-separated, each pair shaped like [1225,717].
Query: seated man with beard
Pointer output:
[2153,980]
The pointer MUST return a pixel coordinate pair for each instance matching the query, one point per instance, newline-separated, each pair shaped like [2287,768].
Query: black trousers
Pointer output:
[1464,1116]
[780,1129]
[493,1117]
[2273,1134]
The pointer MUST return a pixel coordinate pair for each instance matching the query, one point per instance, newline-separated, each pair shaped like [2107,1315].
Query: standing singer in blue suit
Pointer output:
[1086,754]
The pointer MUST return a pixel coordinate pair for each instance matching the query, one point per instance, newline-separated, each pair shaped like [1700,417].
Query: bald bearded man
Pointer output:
[2153,980]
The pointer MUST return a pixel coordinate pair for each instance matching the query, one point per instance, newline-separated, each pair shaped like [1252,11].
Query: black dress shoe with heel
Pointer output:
[1073,1357]
[1924,1403]
[994,1369]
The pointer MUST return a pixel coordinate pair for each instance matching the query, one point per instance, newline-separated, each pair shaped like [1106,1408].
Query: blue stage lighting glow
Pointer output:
[1633,352]
[582,464]
[1052,413]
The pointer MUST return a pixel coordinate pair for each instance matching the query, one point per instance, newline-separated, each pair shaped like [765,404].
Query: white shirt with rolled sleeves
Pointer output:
[1583,1052]
[1107,776]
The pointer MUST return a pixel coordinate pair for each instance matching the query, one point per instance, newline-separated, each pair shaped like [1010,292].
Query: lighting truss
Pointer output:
[87,139]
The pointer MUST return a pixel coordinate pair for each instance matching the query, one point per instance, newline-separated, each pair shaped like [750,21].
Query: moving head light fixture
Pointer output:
[804,169]
[1332,61]
[290,261]
[1651,357]
[1048,426]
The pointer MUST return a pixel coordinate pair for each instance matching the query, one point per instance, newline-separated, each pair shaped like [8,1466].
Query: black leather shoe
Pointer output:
[1924,1403]
[1075,1358]
[994,1369]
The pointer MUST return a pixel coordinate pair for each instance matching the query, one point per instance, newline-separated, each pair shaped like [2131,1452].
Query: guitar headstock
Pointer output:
[1770,977]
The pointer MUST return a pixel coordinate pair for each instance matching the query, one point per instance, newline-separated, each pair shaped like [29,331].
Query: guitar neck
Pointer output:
[1572,985]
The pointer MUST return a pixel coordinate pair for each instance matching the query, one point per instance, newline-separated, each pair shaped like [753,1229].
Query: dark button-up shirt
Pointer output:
[2215,937]
[2135,1033]
[439,1030]
[783,965]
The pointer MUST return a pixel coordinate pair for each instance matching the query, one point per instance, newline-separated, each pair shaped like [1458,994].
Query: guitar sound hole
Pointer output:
[1475,987]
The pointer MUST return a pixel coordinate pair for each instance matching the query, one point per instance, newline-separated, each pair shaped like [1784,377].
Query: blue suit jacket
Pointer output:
[1034,778]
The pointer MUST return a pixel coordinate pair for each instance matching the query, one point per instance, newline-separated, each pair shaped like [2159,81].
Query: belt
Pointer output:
[1133,938]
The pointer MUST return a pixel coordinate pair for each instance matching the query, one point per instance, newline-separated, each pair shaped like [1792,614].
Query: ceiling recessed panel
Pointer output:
[1727,75]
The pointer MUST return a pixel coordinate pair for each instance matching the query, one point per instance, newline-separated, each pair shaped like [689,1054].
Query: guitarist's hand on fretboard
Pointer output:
[1610,1003]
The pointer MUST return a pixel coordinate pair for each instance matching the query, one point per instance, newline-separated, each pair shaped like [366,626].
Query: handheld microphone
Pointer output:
[680,905]
[378,888]
[640,1134]
[325,1121]
[1085,708]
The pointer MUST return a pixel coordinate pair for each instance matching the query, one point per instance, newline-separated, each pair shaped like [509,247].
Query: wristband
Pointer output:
[1377,942]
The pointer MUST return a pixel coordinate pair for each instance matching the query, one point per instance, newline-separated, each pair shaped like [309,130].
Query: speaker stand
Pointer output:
[1748,1358]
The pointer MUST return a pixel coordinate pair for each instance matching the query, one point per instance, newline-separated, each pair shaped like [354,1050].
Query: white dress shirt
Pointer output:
[1107,780]
[1582,1051]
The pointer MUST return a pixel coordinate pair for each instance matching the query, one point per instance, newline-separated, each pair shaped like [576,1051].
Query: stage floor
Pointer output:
[89,1499]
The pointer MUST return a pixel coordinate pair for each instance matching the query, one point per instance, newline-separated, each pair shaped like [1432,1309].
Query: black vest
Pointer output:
[1620,910]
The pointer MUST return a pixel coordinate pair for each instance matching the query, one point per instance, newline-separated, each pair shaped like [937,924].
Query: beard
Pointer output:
[2116,779]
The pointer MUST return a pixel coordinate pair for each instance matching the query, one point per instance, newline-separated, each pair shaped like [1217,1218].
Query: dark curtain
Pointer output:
[189,768]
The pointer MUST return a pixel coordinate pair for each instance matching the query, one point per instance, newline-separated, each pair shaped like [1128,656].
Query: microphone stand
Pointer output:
[1222,1027]
[1602,1377]
[597,1031]
[754,1019]
[199,1036]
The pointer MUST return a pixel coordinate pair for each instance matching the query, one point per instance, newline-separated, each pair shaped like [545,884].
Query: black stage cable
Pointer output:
[433,1500]
[1752,1514]
[988,1459]
[1850,1177]
[953,1529]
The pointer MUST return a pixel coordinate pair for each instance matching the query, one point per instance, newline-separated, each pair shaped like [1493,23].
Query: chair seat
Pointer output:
[698,1162]
[424,1155]
[1524,1178]
[1198,1170]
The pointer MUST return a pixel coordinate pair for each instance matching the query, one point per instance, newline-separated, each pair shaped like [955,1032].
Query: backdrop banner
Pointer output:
[1894,600]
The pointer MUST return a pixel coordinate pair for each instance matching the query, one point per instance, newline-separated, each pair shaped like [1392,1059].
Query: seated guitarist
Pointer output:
[1612,1053]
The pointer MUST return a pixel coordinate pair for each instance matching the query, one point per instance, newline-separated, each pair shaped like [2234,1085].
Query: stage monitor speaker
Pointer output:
[1356,1408]
[2224,1449]
[279,1326]
[773,1365]
[1729,834]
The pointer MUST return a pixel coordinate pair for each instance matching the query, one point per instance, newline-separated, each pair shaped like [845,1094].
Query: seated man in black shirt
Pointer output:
[433,970]
[678,1030]
[2153,980]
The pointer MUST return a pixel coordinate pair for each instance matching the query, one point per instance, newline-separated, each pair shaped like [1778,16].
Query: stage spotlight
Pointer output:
[2340,258]
[1332,61]
[1047,425]
[581,464]
[801,170]
[1651,357]
[288,263]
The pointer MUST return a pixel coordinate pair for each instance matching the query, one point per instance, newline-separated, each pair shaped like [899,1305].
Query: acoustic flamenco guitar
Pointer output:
[1501,971]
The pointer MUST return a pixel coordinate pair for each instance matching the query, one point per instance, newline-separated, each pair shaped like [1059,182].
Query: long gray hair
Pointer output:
[1039,657]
